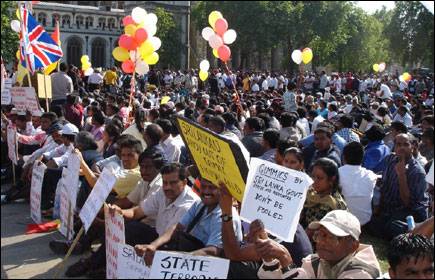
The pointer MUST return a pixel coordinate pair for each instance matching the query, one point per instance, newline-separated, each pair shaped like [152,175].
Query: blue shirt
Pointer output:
[348,135]
[209,227]
[323,113]
[269,156]
[374,156]
[338,141]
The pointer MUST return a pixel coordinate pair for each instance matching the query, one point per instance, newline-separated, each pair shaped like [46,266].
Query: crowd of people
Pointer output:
[367,141]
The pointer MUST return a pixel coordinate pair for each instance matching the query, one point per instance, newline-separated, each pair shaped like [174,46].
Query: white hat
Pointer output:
[14,111]
[21,113]
[38,113]
[340,223]
[70,129]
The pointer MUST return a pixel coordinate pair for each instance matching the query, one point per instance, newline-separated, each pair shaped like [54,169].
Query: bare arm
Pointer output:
[405,194]
[426,228]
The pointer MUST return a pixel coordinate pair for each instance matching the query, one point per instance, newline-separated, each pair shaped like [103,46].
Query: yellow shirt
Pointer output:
[110,77]
[126,181]
[246,84]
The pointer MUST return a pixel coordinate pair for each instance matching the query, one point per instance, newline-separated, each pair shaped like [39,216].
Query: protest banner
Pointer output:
[73,177]
[12,144]
[6,97]
[171,265]
[115,234]
[130,265]
[44,86]
[275,195]
[66,208]
[24,98]
[95,200]
[35,191]
[217,158]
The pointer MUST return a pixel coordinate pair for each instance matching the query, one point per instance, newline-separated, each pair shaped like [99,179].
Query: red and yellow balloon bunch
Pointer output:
[138,45]
[219,36]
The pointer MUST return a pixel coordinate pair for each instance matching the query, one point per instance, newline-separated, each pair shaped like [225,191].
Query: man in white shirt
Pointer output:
[172,151]
[385,91]
[315,119]
[61,85]
[403,117]
[323,82]
[264,84]
[255,87]
[59,157]
[357,183]
[95,80]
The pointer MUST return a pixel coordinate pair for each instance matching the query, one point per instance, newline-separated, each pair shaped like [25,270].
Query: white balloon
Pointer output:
[134,56]
[156,42]
[382,67]
[138,14]
[207,32]
[230,36]
[215,41]
[142,68]
[297,56]
[89,71]
[152,18]
[204,65]
[151,29]
[15,25]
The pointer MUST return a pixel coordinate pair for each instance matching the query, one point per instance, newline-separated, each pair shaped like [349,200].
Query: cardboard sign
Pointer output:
[66,208]
[171,265]
[24,98]
[6,97]
[217,158]
[72,178]
[95,200]
[12,144]
[35,191]
[115,234]
[275,195]
[130,265]
[44,86]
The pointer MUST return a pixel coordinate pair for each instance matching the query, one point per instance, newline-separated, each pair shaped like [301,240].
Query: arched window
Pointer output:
[98,57]
[79,21]
[74,50]
[66,21]
[42,18]
[54,18]
[111,23]
[89,22]
[102,23]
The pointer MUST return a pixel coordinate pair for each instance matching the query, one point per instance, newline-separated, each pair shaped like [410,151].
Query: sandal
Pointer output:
[78,269]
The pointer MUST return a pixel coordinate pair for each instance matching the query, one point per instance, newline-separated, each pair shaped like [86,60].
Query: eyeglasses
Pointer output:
[327,238]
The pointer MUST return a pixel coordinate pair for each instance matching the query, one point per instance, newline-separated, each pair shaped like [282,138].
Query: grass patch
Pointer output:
[381,249]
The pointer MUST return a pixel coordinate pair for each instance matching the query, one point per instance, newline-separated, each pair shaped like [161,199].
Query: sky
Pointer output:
[373,6]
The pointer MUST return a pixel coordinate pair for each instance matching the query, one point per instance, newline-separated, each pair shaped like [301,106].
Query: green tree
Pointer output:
[9,39]
[169,34]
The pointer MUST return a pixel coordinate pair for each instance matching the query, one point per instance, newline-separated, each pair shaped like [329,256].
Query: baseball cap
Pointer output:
[70,129]
[340,223]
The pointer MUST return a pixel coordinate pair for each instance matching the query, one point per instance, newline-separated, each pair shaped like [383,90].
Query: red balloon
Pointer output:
[221,26]
[224,53]
[127,20]
[127,42]
[141,36]
[307,49]
[128,66]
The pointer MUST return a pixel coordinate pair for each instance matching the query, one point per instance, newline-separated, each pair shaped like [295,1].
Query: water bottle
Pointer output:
[410,222]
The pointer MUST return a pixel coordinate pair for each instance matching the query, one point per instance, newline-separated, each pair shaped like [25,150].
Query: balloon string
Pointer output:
[238,102]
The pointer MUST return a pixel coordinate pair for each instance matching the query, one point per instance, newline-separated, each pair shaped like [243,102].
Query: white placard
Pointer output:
[6,97]
[275,195]
[66,208]
[72,179]
[172,265]
[429,176]
[35,191]
[95,200]
[115,234]
[12,144]
[24,98]
[130,265]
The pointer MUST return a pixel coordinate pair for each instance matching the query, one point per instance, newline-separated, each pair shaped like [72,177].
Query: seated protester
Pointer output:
[41,137]
[302,121]
[403,116]
[339,253]
[376,150]
[411,257]
[165,207]
[402,193]
[200,229]
[337,140]
[314,119]
[282,147]
[324,195]
[110,136]
[290,129]
[86,144]
[270,142]
[395,129]
[323,110]
[232,124]
[357,183]
[245,262]
[323,148]
[344,129]
[427,143]
[172,151]
[98,125]
[153,134]
[427,227]
[294,159]
[416,152]
[253,136]
[74,111]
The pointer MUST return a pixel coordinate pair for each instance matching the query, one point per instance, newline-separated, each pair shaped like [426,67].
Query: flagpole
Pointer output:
[58,39]
[22,38]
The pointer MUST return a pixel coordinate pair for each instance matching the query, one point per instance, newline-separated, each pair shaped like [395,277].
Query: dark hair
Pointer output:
[113,131]
[271,136]
[99,118]
[330,168]
[166,125]
[334,107]
[288,119]
[63,67]
[353,153]
[49,115]
[175,167]
[59,110]
[218,121]
[400,127]
[157,158]
[375,133]
[428,134]
[407,246]
[139,119]
[86,141]
[134,144]
[154,132]
[71,138]
[346,121]
[284,145]
[295,151]
[313,113]
[72,99]
[230,118]
[324,129]
[291,86]
[255,123]
[428,119]
[302,112]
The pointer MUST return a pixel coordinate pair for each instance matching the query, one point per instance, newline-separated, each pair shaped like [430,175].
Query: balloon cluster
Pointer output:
[219,36]
[138,46]
[15,25]
[203,72]
[306,55]
[86,65]
[379,67]
[405,77]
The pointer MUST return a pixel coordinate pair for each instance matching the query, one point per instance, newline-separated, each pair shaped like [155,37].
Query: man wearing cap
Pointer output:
[58,157]
[339,253]
[403,117]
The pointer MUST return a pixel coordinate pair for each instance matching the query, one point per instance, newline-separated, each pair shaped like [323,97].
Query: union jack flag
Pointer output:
[36,45]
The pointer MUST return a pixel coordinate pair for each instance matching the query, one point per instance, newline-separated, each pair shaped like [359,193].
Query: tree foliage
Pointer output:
[9,39]
[169,34]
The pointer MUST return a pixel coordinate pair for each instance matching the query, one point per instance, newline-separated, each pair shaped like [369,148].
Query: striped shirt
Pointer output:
[348,135]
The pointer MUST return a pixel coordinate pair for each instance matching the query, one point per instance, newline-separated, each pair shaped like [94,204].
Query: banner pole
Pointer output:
[62,264]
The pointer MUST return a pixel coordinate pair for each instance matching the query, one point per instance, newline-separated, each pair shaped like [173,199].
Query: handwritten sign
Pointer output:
[171,265]
[66,208]
[95,200]
[115,234]
[275,195]
[24,98]
[35,191]
[6,97]
[130,265]
[12,144]
[217,158]
[44,86]
[73,177]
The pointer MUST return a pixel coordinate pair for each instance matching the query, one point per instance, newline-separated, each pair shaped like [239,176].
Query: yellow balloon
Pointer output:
[86,66]
[18,55]
[213,17]
[50,68]
[17,13]
[152,58]
[21,73]
[215,53]
[130,29]
[203,75]
[84,59]
[120,54]
[146,49]
[307,56]
[376,67]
